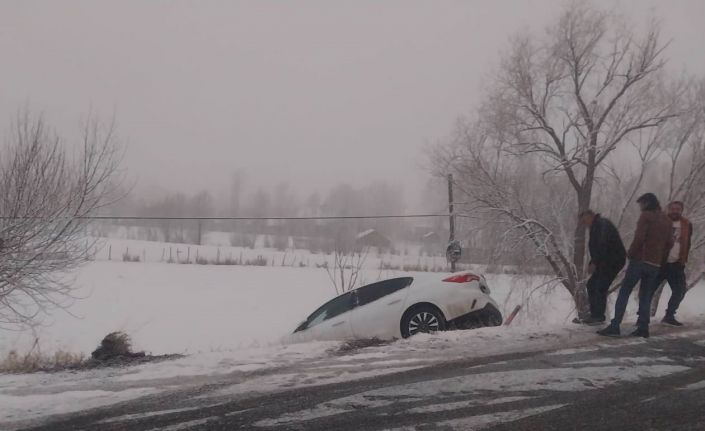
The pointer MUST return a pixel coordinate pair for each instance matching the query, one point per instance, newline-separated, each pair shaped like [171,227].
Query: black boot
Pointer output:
[611,330]
[671,320]
[640,332]
[594,321]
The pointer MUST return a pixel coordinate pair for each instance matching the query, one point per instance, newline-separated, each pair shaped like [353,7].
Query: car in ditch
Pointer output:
[404,306]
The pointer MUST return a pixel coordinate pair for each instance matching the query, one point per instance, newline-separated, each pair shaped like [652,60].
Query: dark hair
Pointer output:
[677,203]
[650,201]
[586,212]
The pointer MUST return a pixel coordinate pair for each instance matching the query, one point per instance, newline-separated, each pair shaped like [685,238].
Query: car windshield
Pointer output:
[330,309]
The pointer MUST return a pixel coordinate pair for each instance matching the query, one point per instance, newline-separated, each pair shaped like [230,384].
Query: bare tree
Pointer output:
[46,191]
[202,205]
[348,261]
[683,163]
[562,106]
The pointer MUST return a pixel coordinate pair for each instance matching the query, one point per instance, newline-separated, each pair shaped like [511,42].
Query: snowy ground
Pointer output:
[261,370]
[231,320]
[213,387]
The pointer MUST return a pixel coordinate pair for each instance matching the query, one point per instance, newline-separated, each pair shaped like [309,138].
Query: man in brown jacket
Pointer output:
[674,270]
[649,250]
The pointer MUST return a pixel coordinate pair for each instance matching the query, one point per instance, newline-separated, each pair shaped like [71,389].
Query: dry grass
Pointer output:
[350,346]
[113,351]
[35,361]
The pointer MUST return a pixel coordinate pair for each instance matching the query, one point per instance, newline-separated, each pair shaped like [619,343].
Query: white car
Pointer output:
[404,306]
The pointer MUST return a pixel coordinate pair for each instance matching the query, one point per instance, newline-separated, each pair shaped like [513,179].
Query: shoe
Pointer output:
[670,320]
[640,332]
[609,331]
[594,321]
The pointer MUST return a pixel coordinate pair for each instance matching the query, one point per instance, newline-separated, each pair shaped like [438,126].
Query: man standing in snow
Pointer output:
[607,258]
[674,270]
[649,250]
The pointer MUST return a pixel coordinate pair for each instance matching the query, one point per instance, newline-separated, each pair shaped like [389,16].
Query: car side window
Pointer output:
[375,291]
[332,308]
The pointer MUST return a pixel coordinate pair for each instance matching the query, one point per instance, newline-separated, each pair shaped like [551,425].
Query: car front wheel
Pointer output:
[424,319]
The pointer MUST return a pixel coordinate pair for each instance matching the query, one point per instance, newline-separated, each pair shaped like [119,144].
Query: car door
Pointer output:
[379,307]
[332,320]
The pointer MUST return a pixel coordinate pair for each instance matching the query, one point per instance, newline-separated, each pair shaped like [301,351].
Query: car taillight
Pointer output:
[462,278]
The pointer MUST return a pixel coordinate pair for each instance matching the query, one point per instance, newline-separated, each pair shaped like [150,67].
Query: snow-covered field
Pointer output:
[233,319]
[169,308]
[189,308]
[216,247]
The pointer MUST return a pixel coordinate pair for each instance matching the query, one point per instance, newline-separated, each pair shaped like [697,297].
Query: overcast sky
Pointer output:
[307,92]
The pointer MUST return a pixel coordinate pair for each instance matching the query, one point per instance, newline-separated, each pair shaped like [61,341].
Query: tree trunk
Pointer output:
[580,294]
[582,304]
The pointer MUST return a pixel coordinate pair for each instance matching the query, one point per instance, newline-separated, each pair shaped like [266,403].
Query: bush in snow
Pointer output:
[115,345]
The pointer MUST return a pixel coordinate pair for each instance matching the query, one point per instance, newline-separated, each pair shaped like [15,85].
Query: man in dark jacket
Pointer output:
[607,258]
[674,270]
[649,249]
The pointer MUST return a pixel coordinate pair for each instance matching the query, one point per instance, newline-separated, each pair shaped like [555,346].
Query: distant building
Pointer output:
[431,238]
[431,243]
[372,238]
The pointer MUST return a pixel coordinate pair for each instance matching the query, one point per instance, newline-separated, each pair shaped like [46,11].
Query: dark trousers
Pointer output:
[674,274]
[598,286]
[637,272]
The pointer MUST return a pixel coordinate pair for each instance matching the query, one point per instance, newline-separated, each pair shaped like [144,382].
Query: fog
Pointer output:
[307,93]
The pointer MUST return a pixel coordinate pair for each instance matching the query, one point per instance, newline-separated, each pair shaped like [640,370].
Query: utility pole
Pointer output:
[451,218]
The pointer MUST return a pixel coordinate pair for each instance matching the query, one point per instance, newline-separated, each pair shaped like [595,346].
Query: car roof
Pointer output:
[385,281]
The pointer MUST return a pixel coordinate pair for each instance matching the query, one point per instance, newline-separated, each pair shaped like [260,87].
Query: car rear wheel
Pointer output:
[424,318]
[491,317]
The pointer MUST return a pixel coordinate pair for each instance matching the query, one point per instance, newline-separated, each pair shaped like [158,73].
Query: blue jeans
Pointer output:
[674,274]
[648,276]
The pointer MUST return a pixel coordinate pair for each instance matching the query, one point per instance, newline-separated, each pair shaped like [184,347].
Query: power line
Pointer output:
[156,218]
[265,218]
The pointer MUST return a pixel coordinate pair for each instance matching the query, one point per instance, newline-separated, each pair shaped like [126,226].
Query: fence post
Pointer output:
[512,315]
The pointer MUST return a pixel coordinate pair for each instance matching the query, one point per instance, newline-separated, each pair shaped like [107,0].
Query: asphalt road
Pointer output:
[620,384]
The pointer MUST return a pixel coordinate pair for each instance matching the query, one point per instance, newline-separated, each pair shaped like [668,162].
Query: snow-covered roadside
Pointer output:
[36,396]
[26,398]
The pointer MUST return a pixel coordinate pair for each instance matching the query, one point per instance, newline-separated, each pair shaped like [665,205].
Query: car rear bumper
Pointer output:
[489,315]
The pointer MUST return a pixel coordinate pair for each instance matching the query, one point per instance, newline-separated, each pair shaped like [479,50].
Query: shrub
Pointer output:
[126,257]
[114,345]
[258,261]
